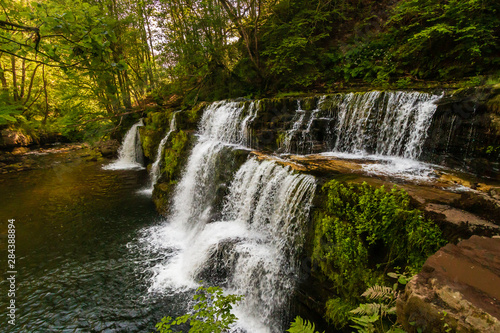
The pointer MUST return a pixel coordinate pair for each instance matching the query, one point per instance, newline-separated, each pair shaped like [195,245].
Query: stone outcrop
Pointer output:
[10,138]
[458,290]
[465,132]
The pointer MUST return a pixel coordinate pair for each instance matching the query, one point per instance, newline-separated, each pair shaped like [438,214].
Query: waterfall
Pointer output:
[387,128]
[373,123]
[130,152]
[298,121]
[387,124]
[155,171]
[271,205]
[251,248]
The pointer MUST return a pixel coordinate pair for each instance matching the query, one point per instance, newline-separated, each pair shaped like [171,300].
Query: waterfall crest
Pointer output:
[130,154]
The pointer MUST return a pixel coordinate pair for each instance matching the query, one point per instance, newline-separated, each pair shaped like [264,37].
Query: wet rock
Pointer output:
[108,148]
[20,150]
[484,205]
[221,263]
[457,216]
[465,131]
[458,290]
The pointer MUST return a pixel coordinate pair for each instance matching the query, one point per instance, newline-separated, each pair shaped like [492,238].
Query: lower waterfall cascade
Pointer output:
[257,237]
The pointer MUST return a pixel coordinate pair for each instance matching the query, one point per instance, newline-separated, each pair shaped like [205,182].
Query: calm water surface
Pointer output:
[78,266]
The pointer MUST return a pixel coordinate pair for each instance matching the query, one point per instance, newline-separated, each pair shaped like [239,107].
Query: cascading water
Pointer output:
[155,170]
[270,204]
[130,152]
[388,124]
[251,249]
[386,128]
[297,120]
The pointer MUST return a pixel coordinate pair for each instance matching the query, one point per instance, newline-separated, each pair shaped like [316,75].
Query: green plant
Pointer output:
[379,315]
[300,325]
[363,232]
[211,313]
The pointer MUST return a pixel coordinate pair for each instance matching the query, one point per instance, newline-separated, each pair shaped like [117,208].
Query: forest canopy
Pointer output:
[82,68]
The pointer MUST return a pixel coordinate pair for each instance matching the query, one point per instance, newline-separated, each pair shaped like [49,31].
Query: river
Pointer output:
[78,266]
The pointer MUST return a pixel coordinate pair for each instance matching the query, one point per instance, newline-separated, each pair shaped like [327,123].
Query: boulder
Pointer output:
[10,138]
[458,290]
[108,148]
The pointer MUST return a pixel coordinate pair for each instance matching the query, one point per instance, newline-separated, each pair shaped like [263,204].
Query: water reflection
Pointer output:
[75,270]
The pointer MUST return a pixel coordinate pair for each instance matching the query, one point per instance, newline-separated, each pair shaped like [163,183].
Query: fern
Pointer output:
[370,309]
[301,326]
[380,293]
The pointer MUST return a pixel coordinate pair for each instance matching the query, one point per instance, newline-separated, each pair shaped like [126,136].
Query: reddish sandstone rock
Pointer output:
[458,290]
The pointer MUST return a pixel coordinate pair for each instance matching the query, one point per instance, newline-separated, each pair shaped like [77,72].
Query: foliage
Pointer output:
[443,38]
[300,325]
[73,66]
[173,153]
[337,311]
[365,231]
[380,313]
[211,313]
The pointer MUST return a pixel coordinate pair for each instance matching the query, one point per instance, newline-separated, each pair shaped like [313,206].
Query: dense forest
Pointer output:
[77,69]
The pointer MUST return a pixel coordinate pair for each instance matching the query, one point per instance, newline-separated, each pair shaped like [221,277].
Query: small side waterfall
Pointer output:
[130,152]
[251,249]
[155,171]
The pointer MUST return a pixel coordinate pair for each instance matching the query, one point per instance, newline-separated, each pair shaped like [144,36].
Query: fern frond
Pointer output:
[368,309]
[301,326]
[377,292]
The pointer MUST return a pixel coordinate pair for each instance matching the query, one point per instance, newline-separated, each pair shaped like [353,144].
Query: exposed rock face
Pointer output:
[465,132]
[458,289]
[11,138]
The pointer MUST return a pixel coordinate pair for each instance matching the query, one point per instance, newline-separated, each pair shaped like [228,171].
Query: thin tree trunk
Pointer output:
[14,77]
[5,86]
[23,78]
[31,84]
[46,96]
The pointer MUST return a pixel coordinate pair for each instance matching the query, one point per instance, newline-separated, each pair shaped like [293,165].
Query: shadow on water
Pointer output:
[77,267]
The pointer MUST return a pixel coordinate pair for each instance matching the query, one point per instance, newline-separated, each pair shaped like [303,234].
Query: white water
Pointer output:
[392,166]
[298,119]
[389,124]
[130,152]
[257,237]
[386,130]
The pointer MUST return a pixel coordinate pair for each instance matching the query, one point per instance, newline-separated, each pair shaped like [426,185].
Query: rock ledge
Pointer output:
[458,289]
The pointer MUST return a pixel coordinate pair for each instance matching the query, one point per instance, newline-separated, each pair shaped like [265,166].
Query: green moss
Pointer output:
[362,232]
[493,104]
[172,155]
[280,138]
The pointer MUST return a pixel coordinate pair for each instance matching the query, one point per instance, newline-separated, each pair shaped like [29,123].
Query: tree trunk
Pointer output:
[23,78]
[14,78]
[46,96]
